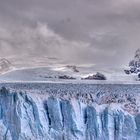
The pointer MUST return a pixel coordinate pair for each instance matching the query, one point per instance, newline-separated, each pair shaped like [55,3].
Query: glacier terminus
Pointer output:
[58,111]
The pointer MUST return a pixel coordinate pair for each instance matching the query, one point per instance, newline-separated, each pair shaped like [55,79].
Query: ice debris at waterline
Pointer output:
[69,112]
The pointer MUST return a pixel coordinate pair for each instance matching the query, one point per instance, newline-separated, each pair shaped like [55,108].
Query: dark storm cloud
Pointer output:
[84,31]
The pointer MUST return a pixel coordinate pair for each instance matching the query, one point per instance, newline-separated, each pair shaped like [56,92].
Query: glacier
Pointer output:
[58,111]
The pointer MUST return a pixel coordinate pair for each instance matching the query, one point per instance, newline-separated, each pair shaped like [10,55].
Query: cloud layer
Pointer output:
[73,31]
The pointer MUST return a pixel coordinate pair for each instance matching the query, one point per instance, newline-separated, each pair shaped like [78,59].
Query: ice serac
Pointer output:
[29,115]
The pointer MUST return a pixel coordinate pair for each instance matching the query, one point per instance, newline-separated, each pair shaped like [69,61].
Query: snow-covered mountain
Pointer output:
[53,74]
[135,63]
[5,65]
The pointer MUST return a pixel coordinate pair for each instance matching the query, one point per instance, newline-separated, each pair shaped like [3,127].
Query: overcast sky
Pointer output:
[99,32]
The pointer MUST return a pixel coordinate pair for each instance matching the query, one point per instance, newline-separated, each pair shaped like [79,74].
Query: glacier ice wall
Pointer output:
[32,114]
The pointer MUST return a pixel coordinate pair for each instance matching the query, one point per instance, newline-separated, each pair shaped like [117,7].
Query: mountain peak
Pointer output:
[137,54]
[134,64]
[5,65]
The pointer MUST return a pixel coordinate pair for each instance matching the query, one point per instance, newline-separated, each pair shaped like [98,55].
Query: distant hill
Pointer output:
[5,65]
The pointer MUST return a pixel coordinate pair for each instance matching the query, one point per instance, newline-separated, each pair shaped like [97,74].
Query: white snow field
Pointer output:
[52,74]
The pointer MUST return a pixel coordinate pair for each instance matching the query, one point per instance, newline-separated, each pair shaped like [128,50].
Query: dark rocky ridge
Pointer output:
[97,76]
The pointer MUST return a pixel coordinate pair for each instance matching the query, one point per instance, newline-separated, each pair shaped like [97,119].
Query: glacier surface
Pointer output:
[55,111]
